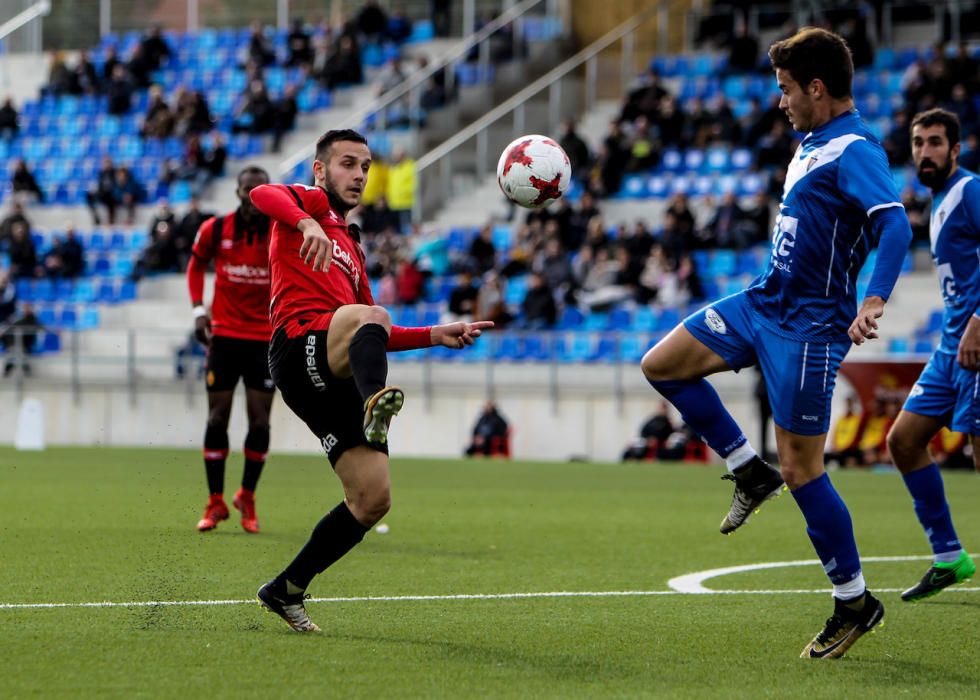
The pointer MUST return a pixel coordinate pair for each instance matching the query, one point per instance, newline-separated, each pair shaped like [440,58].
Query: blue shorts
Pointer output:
[948,392]
[800,375]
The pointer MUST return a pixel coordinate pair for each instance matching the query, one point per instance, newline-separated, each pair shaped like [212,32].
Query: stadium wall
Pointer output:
[588,417]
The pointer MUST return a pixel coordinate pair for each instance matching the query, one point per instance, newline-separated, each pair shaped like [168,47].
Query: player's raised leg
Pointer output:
[259,405]
[357,346]
[908,442]
[215,455]
[363,471]
[676,367]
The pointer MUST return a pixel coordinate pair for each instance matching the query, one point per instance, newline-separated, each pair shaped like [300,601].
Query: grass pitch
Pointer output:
[89,525]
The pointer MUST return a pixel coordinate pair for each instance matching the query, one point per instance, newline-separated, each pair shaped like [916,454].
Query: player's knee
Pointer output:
[378,315]
[218,419]
[371,504]
[653,368]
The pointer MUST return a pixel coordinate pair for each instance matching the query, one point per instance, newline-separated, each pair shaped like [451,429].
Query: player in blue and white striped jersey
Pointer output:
[947,392]
[797,320]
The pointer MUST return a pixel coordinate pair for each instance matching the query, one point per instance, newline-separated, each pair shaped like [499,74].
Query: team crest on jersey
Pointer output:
[917,390]
[812,161]
[210,378]
[715,322]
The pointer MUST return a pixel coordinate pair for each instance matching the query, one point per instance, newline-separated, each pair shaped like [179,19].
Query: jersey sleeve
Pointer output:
[864,178]
[201,253]
[288,204]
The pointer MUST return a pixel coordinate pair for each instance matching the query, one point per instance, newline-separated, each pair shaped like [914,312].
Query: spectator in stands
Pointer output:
[917,209]
[538,310]
[140,67]
[409,281]
[372,22]
[728,226]
[85,78]
[20,338]
[657,273]
[186,231]
[855,33]
[319,57]
[286,109]
[192,167]
[298,45]
[8,297]
[23,254]
[743,52]
[483,253]
[378,218]
[59,75]
[400,192]
[127,192]
[159,120]
[644,99]
[489,433]
[439,11]
[156,49]
[399,25]
[344,65]
[259,49]
[462,300]
[160,255]
[555,267]
[66,259]
[964,69]
[434,94]
[643,153]
[758,217]
[256,113]
[970,155]
[846,435]
[9,120]
[611,161]
[163,214]
[16,216]
[671,122]
[391,76]
[24,185]
[193,114]
[776,147]
[108,67]
[961,104]
[654,433]
[215,158]
[119,92]
[103,192]
[577,151]
[897,143]
[490,303]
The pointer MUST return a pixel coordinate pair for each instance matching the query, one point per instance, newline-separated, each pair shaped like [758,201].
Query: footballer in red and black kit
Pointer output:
[328,354]
[236,333]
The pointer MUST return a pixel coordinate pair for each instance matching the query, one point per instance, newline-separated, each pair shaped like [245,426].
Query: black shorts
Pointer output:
[231,358]
[330,406]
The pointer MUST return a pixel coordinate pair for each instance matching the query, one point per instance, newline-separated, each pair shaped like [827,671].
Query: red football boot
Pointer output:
[244,502]
[214,513]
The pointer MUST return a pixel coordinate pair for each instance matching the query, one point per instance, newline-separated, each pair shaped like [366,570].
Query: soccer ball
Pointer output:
[533,171]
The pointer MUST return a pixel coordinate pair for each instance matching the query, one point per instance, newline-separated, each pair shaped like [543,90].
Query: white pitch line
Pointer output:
[462,596]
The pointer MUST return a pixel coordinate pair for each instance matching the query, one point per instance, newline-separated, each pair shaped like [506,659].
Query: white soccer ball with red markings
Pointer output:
[534,171]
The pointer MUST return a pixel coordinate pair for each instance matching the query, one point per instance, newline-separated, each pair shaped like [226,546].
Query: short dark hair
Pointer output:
[932,117]
[324,143]
[816,54]
[252,170]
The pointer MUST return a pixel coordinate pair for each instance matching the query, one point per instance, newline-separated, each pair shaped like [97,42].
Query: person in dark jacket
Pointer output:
[489,433]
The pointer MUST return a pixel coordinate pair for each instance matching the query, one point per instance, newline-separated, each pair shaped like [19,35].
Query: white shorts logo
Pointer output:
[715,322]
[328,442]
[917,390]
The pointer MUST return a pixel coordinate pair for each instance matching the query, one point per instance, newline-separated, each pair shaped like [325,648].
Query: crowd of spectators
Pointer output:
[65,259]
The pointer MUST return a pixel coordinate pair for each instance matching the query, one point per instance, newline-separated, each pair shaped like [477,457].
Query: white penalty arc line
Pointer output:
[689,584]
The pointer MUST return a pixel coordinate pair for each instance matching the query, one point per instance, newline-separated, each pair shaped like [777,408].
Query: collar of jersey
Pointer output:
[825,130]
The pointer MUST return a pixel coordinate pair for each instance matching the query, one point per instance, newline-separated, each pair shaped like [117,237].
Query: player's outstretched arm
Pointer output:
[459,334]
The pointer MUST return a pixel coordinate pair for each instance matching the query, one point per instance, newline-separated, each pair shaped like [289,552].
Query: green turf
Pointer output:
[79,525]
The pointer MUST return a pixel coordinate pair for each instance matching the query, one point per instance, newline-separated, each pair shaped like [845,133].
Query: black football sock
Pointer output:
[256,447]
[335,535]
[215,454]
[368,355]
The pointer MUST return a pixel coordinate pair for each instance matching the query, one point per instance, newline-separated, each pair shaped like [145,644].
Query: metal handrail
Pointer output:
[416,80]
[533,89]
[39,9]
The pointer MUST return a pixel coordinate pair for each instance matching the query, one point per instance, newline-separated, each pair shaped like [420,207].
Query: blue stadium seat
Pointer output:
[68,318]
[898,345]
[127,290]
[574,347]
[644,319]
[632,347]
[571,318]
[537,347]
[51,342]
[924,346]
[667,319]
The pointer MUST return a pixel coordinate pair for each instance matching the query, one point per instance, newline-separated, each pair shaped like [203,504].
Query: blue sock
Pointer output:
[828,523]
[926,487]
[701,408]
